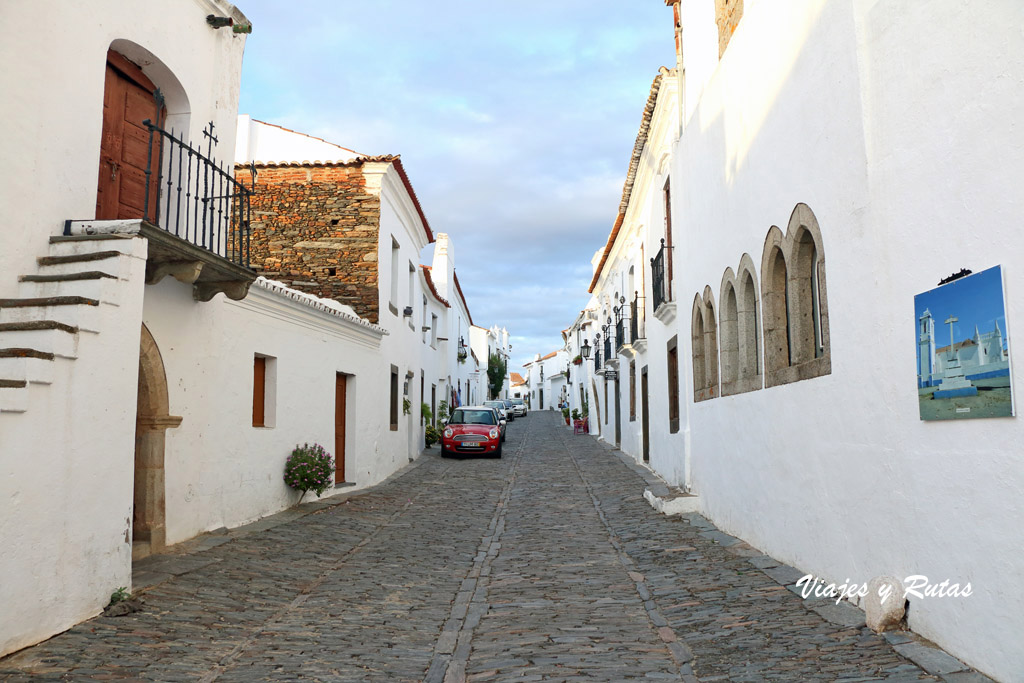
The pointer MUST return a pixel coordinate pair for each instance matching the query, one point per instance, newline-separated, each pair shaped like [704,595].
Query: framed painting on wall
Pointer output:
[963,349]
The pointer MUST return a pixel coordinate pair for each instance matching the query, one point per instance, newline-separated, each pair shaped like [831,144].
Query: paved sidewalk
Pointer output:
[544,565]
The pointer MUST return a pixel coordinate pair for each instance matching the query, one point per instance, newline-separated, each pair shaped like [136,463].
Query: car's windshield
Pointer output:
[472,417]
[517,401]
[494,404]
[508,404]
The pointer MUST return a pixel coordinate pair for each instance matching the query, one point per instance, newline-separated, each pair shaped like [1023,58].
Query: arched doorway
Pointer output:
[149,533]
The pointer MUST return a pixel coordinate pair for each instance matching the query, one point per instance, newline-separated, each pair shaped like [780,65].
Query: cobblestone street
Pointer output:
[544,565]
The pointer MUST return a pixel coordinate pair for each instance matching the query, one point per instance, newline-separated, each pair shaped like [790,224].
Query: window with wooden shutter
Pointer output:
[673,385]
[259,392]
[394,398]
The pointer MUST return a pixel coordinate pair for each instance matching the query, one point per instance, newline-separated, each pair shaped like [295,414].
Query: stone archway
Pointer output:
[149,534]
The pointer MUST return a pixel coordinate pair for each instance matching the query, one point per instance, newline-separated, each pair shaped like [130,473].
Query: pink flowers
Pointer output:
[309,468]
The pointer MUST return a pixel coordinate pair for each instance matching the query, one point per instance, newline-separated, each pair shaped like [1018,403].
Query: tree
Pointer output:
[496,368]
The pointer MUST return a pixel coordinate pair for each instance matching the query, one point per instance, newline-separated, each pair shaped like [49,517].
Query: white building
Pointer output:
[151,387]
[801,135]
[546,378]
[485,343]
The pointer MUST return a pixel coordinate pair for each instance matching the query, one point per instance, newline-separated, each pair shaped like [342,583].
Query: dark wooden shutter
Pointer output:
[259,391]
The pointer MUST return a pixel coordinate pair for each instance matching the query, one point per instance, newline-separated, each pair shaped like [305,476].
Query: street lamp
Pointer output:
[585,349]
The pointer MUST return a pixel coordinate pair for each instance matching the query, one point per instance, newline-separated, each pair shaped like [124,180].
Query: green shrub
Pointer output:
[309,468]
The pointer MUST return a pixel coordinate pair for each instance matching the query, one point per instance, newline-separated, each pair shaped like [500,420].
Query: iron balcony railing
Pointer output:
[597,360]
[194,197]
[637,326]
[607,348]
[660,292]
[620,336]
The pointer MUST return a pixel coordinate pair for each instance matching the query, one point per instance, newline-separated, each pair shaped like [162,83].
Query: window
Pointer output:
[423,320]
[710,389]
[632,391]
[264,390]
[795,310]
[412,293]
[423,396]
[433,330]
[739,328]
[393,304]
[605,383]
[730,335]
[673,385]
[394,398]
[697,346]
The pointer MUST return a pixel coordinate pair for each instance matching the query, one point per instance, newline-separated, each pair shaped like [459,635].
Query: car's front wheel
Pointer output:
[497,451]
[445,453]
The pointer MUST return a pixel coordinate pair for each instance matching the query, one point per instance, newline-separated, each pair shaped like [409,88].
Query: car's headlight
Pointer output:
[448,433]
[494,433]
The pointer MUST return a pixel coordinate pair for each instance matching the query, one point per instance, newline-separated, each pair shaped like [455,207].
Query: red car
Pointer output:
[472,429]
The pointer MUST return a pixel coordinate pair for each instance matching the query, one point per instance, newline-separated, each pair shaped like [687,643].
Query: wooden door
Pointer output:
[128,100]
[645,415]
[340,399]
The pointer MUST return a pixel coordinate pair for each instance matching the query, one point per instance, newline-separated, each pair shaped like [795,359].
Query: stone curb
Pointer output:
[908,644]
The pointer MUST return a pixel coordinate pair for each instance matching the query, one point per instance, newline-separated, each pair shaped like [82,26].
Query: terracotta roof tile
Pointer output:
[430,284]
[634,163]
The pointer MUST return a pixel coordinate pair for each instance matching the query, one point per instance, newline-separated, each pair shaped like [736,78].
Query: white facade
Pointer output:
[881,135]
[53,156]
[74,412]
[546,378]
[485,342]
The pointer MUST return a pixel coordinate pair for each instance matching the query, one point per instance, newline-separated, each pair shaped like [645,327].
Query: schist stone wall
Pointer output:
[315,228]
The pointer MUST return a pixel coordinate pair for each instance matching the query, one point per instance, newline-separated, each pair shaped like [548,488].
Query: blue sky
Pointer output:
[515,122]
[973,300]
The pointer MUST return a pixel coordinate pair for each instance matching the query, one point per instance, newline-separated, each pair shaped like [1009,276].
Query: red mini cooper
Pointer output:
[472,429]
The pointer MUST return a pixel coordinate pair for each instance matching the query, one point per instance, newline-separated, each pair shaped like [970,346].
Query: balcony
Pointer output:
[638,325]
[661,285]
[195,217]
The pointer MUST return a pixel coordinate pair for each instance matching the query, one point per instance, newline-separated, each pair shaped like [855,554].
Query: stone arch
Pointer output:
[710,345]
[774,284]
[809,303]
[179,110]
[152,418]
[749,326]
[697,346]
[729,325]
[795,309]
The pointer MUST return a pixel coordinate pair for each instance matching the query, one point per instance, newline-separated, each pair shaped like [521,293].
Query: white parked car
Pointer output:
[519,406]
[500,407]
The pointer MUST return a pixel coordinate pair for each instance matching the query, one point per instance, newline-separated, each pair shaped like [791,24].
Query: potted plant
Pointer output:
[428,417]
[406,406]
[575,413]
[432,435]
[578,360]
[565,414]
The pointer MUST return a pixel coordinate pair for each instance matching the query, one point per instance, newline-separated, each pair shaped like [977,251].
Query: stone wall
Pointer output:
[727,16]
[315,228]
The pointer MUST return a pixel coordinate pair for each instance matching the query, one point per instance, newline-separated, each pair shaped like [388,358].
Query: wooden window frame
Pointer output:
[394,398]
[672,371]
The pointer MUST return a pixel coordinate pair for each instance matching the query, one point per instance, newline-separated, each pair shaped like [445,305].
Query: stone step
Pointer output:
[26,369]
[110,262]
[96,285]
[74,311]
[82,245]
[59,340]
[13,399]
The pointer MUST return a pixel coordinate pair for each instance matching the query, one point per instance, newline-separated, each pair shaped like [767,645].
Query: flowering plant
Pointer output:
[309,468]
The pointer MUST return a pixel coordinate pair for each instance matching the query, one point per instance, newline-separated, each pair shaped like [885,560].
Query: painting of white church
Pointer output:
[963,351]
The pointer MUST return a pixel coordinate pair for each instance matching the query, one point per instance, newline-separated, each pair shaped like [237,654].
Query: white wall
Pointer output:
[896,124]
[52,107]
[66,474]
[220,470]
